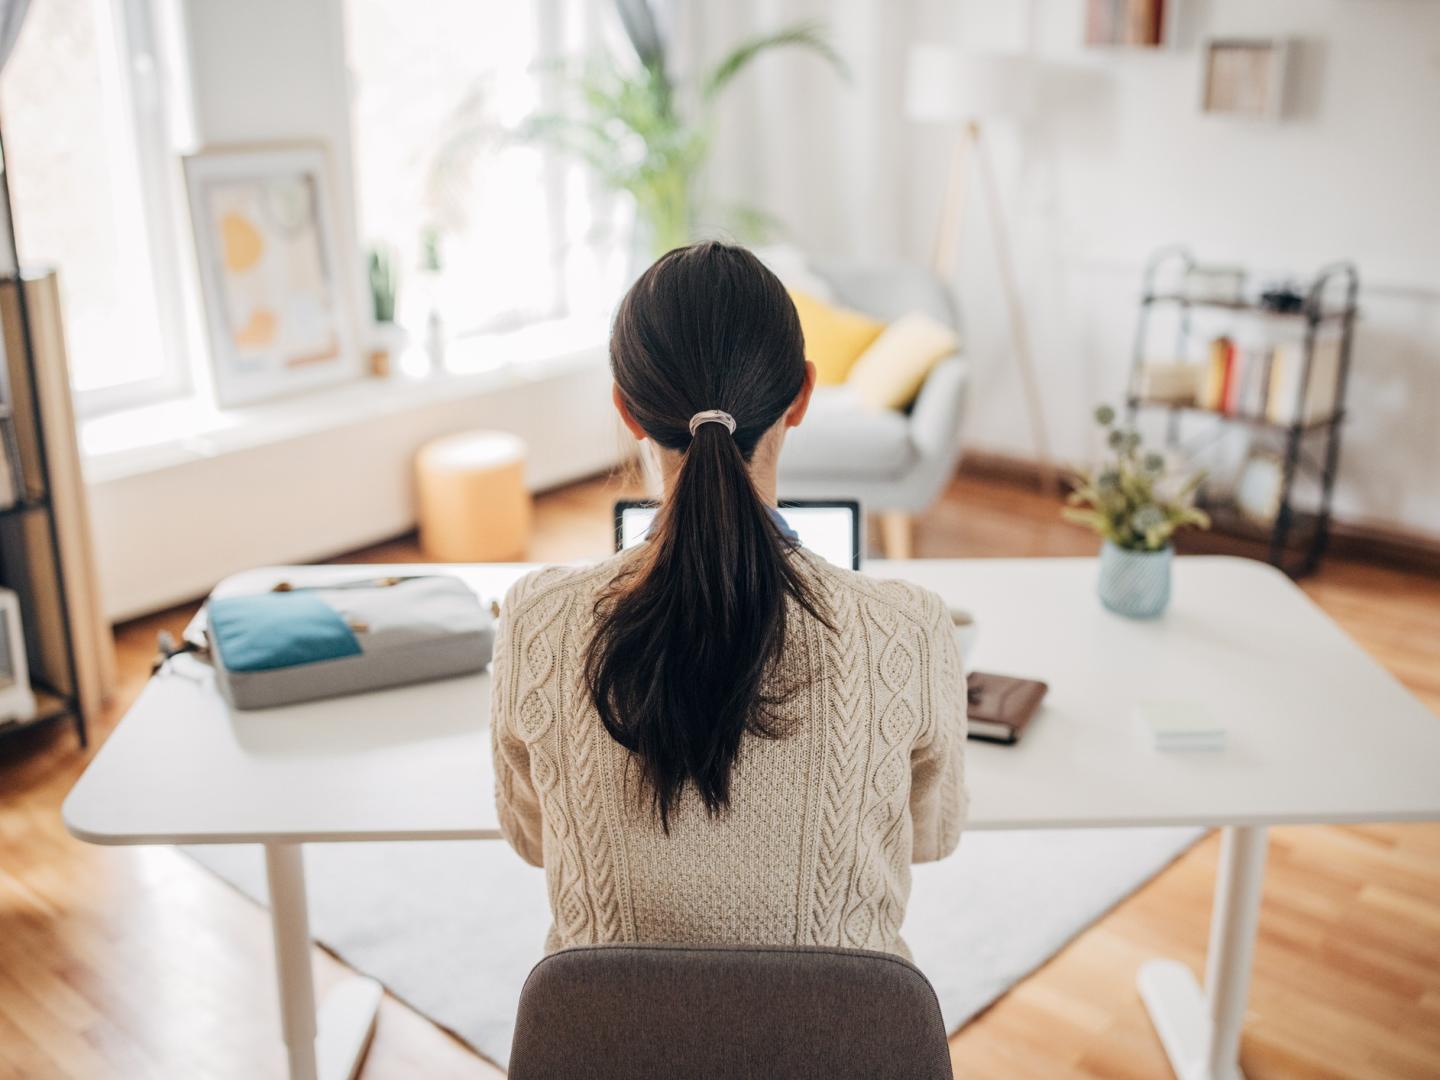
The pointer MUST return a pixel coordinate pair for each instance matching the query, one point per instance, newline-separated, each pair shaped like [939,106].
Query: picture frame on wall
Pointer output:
[278,311]
[1244,78]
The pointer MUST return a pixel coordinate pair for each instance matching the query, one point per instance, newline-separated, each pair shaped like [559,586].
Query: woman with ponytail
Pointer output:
[717,736]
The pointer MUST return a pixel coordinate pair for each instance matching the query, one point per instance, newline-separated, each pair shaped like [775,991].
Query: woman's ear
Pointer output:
[796,412]
[625,417]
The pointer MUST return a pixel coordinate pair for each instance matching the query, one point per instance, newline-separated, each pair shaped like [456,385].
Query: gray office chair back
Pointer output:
[647,1012]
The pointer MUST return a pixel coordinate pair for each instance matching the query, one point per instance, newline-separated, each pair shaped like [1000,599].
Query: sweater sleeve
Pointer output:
[516,799]
[938,799]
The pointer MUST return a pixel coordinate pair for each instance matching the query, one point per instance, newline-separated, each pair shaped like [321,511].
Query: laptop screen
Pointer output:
[830,529]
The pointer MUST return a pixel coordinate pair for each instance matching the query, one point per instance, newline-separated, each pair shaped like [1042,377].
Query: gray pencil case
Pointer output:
[300,644]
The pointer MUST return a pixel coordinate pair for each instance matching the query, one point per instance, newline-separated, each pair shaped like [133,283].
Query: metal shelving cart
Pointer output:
[52,703]
[1296,540]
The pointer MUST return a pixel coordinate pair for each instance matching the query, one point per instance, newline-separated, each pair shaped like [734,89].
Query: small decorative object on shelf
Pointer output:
[430,267]
[1283,299]
[1257,491]
[1135,504]
[1174,381]
[1215,284]
[9,474]
[1245,77]
[389,336]
[17,700]
[1272,367]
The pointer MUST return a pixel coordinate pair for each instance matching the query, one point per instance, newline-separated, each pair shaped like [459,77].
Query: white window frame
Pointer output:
[551,19]
[142,123]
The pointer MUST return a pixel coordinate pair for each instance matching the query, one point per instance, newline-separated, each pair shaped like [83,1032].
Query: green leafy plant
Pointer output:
[384,283]
[1132,499]
[627,122]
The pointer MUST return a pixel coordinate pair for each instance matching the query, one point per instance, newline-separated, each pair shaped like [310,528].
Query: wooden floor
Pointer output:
[137,963]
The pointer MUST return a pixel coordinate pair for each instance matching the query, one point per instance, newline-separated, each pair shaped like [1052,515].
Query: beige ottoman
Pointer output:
[473,502]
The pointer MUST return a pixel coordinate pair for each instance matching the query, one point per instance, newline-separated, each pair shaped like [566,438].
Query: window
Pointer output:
[78,129]
[491,232]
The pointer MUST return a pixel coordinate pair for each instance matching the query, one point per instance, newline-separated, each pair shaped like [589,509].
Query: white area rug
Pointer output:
[453,928]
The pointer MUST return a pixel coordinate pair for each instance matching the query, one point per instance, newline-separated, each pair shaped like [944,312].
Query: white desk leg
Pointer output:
[1201,1031]
[334,1048]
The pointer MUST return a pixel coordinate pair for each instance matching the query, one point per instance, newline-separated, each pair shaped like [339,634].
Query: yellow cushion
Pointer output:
[895,366]
[834,336]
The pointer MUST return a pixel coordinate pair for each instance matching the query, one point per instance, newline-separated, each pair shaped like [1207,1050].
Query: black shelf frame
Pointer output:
[51,704]
[1297,539]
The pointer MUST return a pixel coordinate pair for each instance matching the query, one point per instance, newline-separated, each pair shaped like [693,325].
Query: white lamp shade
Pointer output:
[944,84]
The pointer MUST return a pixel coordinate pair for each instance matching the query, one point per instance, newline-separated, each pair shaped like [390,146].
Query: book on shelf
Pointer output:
[1124,22]
[1220,371]
[1249,387]
[1287,401]
[1235,373]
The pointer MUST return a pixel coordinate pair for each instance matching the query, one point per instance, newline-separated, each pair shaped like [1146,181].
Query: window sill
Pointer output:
[160,436]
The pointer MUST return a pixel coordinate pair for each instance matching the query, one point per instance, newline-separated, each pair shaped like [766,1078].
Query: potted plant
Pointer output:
[384,285]
[627,122]
[1136,504]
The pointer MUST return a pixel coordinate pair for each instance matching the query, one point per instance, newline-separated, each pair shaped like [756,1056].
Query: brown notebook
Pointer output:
[1001,705]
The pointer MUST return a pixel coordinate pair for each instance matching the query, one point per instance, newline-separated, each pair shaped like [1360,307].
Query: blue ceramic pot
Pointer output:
[1135,583]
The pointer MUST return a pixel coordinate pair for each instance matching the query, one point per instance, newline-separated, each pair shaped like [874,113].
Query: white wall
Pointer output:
[166,535]
[1122,162]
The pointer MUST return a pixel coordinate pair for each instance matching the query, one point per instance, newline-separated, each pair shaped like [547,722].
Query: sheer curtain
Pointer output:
[834,160]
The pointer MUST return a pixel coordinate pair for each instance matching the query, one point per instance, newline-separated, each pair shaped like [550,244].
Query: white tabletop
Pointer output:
[1316,730]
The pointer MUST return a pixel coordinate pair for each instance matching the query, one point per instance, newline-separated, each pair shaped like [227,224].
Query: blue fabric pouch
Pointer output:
[278,630]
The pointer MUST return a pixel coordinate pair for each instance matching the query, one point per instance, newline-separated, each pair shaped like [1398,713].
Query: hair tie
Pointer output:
[712,416]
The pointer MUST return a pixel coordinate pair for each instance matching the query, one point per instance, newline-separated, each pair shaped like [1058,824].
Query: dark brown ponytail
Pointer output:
[684,656]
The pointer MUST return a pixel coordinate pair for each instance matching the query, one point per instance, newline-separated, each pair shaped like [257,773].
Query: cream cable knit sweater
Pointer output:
[823,823]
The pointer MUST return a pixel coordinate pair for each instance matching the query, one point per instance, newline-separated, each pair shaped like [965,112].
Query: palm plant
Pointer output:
[1128,500]
[626,121]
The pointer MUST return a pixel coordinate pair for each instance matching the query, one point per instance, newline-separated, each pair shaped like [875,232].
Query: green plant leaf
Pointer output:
[623,123]
[1091,519]
[1188,488]
[804,35]
[640,27]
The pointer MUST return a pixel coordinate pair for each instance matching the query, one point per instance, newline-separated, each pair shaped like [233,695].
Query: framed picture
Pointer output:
[1258,487]
[1245,77]
[277,307]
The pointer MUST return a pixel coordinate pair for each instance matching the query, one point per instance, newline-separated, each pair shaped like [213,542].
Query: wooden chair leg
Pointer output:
[897,534]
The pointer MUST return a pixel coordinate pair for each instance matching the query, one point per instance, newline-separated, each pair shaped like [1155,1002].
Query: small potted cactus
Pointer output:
[1135,503]
[389,336]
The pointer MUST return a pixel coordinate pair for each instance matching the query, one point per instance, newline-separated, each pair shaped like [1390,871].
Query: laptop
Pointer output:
[829,528]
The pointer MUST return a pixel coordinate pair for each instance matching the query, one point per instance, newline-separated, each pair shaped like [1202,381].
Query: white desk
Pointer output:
[1317,733]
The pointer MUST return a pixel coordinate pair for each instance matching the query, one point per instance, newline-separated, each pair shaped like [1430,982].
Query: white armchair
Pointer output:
[895,463]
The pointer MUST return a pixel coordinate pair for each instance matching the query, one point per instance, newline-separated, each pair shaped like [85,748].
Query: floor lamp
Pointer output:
[945,86]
